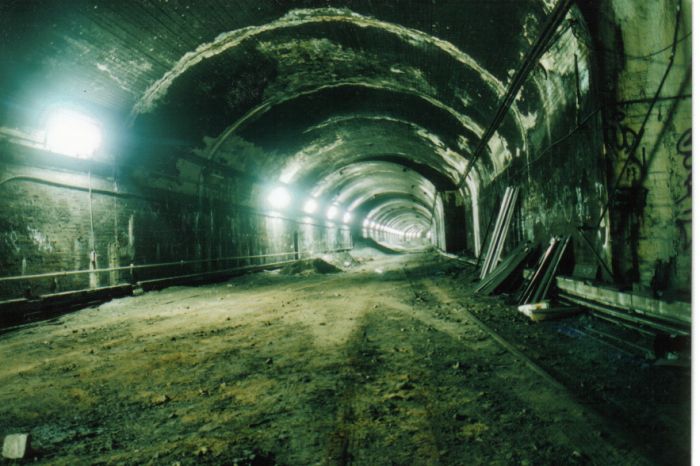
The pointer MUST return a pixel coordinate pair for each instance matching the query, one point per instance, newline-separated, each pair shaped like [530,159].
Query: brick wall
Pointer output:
[52,223]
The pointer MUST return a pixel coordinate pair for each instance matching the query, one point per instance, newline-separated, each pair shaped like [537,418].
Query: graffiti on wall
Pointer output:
[684,149]
[621,139]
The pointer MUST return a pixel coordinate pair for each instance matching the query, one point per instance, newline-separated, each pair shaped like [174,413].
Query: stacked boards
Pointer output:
[500,232]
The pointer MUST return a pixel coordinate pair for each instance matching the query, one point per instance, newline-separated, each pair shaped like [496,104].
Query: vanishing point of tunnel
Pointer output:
[345,232]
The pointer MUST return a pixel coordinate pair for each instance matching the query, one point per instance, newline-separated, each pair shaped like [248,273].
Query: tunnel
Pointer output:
[369,232]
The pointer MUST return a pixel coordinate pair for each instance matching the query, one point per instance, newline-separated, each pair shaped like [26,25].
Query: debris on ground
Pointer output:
[544,311]
[345,368]
[158,400]
[309,266]
[343,259]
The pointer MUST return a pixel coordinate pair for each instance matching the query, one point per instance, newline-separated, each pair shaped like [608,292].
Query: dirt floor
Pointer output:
[380,364]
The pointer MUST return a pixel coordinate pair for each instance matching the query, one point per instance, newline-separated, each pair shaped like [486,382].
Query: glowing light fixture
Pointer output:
[73,134]
[279,198]
[332,212]
[347,218]
[311,206]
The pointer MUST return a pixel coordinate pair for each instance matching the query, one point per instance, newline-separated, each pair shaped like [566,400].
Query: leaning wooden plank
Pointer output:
[499,233]
[552,269]
[510,209]
[489,246]
[526,295]
[505,269]
[539,292]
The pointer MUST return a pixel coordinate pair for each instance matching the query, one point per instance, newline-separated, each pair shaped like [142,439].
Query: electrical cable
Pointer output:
[544,41]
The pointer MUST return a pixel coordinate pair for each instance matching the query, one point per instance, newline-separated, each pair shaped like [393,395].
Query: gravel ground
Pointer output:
[380,364]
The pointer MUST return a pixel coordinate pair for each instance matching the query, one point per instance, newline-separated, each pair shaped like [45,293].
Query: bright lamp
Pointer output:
[279,198]
[73,134]
[332,212]
[311,206]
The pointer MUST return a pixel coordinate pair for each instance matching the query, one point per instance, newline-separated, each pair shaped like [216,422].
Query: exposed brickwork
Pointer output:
[47,228]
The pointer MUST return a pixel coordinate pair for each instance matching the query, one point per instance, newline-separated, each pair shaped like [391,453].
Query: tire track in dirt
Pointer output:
[359,358]
[370,372]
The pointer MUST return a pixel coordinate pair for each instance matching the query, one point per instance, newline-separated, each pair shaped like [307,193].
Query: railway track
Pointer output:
[434,296]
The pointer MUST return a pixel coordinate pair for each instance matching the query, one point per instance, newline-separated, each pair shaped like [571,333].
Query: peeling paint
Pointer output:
[105,69]
[303,62]
[40,239]
[529,121]
[500,154]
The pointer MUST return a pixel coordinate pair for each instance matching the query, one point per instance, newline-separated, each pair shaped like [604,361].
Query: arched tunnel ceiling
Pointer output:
[384,209]
[398,92]
[357,183]
[398,216]
[386,193]
[346,141]
[257,80]
[114,51]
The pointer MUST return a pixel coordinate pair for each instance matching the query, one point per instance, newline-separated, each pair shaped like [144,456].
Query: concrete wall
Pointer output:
[54,218]
[650,179]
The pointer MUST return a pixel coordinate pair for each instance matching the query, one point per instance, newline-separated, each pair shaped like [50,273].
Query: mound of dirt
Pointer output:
[309,266]
[343,259]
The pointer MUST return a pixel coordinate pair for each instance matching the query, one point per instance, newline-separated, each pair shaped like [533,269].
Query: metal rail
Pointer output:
[159,265]
[519,355]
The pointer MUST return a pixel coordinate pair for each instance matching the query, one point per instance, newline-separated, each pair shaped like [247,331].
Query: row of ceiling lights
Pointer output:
[280,198]
[370,226]
[71,133]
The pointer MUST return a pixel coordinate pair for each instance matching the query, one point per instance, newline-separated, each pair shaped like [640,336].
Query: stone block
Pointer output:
[15,446]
